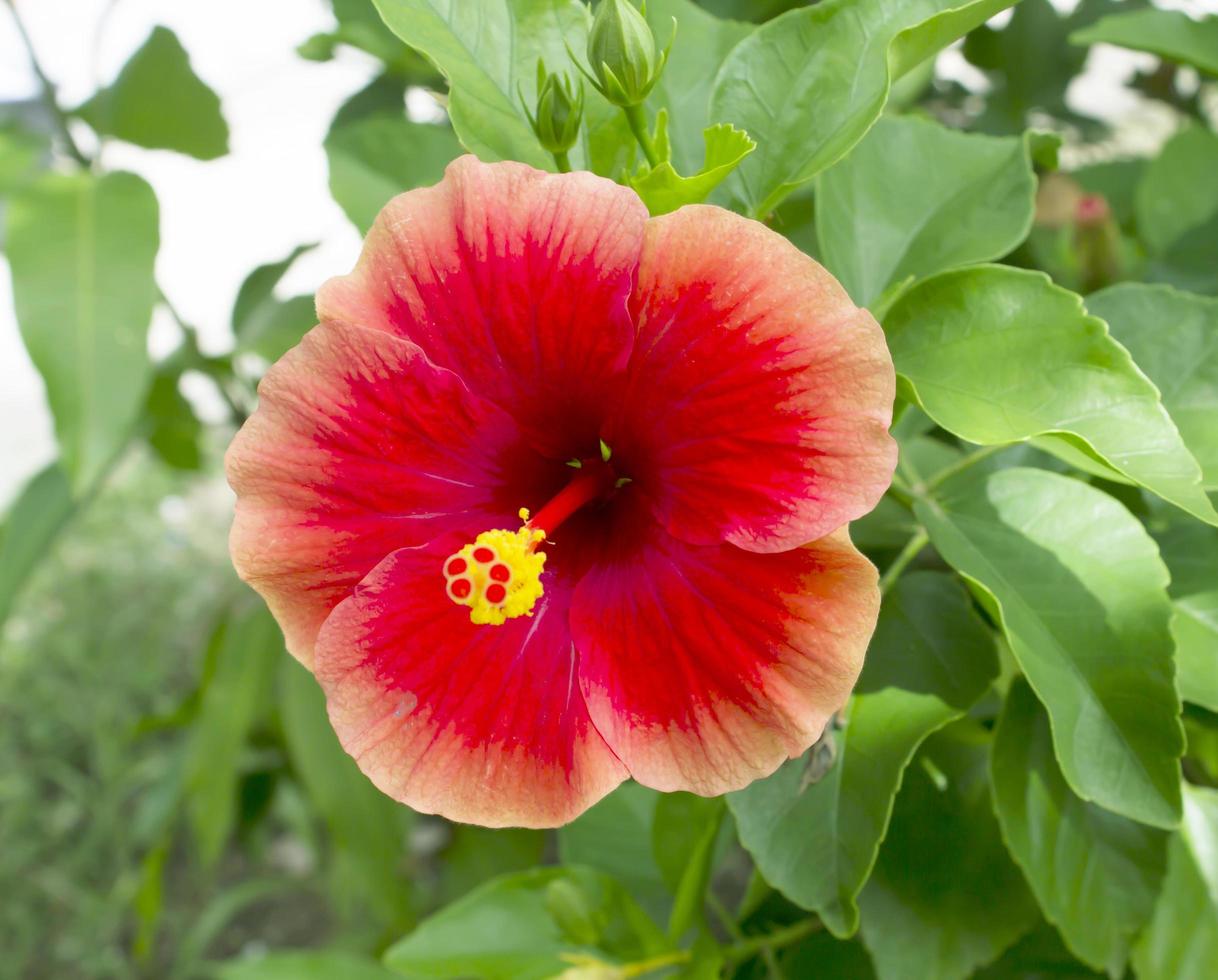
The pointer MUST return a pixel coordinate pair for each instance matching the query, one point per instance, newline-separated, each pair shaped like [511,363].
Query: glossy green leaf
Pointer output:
[663,189]
[82,248]
[1195,629]
[378,157]
[1081,593]
[931,658]
[521,926]
[1095,874]
[33,521]
[944,898]
[915,198]
[488,52]
[1173,337]
[367,829]
[1171,34]
[314,964]
[248,648]
[158,102]
[1181,941]
[996,355]
[1178,192]
[807,85]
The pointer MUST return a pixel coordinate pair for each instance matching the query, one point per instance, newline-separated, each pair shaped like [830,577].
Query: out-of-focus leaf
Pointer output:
[1178,192]
[376,158]
[944,898]
[1191,261]
[250,646]
[1080,590]
[1039,954]
[32,523]
[996,354]
[683,838]
[475,855]
[158,102]
[367,829]
[1095,874]
[914,198]
[1181,941]
[1195,629]
[173,431]
[807,85]
[663,189]
[314,964]
[1116,181]
[1173,337]
[22,150]
[257,293]
[82,248]
[931,658]
[1171,34]
[520,927]
[825,957]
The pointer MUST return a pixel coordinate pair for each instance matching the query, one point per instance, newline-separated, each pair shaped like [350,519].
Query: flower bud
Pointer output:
[622,53]
[560,110]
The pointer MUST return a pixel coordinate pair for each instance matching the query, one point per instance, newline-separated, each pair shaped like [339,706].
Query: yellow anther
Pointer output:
[498,576]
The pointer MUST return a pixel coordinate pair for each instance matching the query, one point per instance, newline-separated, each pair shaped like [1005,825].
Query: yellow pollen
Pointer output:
[498,576]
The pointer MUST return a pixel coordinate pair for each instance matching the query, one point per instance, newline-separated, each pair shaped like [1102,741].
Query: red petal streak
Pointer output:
[477,723]
[361,446]
[515,279]
[705,667]
[759,396]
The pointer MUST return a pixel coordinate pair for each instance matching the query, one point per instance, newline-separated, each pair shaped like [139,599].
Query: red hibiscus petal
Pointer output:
[482,724]
[361,446]
[515,279]
[758,397]
[705,667]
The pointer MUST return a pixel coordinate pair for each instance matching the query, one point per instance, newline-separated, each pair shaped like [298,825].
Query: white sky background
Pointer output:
[222,218]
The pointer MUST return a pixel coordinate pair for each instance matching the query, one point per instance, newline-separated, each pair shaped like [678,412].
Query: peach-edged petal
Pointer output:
[481,724]
[515,279]
[705,667]
[758,396]
[361,446]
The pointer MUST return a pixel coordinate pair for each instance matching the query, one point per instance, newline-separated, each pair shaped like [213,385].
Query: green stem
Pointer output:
[961,465]
[638,125]
[778,939]
[913,546]
[49,95]
[562,161]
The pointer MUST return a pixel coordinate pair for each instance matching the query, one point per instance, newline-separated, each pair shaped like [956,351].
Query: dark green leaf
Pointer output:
[81,250]
[1080,590]
[34,520]
[173,431]
[1195,629]
[944,898]
[931,658]
[996,355]
[159,102]
[1170,34]
[1095,874]
[914,198]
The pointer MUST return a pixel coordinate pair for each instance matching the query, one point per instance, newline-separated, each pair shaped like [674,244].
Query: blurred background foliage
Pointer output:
[173,802]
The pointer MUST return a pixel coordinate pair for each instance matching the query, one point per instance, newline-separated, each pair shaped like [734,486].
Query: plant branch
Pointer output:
[778,939]
[913,547]
[961,465]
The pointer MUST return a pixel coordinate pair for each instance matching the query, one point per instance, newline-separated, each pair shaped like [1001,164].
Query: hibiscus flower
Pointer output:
[689,408]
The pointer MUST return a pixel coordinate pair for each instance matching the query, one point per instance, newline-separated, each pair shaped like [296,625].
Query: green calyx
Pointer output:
[622,53]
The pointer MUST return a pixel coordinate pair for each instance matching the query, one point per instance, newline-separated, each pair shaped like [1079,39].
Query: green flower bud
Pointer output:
[622,53]
[560,110]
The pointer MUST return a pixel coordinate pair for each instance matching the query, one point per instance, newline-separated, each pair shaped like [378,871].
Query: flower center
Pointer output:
[498,575]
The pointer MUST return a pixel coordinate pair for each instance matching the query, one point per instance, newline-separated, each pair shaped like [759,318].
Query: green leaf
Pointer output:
[378,157]
[1173,337]
[22,152]
[663,189]
[1181,942]
[519,927]
[314,964]
[1039,954]
[945,898]
[1178,192]
[488,52]
[34,520]
[931,658]
[915,198]
[1095,874]
[1080,590]
[158,102]
[807,85]
[996,355]
[368,829]
[1171,34]
[248,648]
[257,292]
[82,248]
[172,431]
[683,838]
[1195,629]
[474,855]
